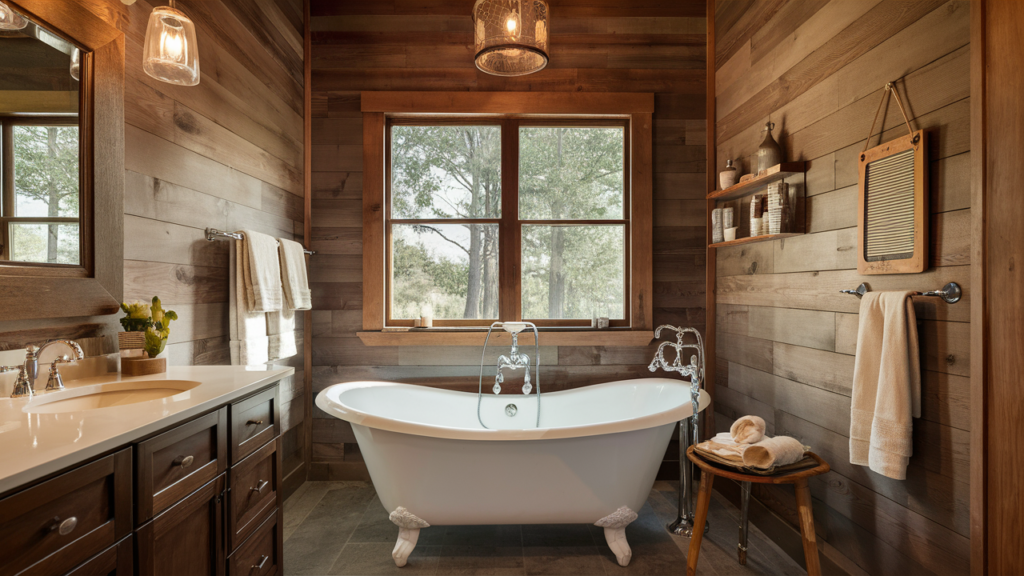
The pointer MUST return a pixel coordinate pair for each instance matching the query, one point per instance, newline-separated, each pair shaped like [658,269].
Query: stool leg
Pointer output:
[806,513]
[703,501]
[744,510]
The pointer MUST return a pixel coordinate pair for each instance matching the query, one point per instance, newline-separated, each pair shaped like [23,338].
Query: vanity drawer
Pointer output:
[118,560]
[260,555]
[254,422]
[253,492]
[179,461]
[55,526]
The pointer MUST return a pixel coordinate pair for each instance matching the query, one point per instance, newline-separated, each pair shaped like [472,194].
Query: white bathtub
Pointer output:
[592,460]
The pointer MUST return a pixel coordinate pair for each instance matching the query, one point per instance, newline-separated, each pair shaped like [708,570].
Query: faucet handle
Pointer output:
[22,387]
[55,381]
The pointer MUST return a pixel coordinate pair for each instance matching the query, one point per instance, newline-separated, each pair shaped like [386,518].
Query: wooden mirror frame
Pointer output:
[95,287]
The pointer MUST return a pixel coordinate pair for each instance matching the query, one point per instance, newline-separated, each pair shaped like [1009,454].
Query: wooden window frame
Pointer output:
[8,196]
[634,111]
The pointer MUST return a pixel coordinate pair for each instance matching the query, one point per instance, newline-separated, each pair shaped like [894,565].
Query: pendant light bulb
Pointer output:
[171,53]
[76,64]
[11,20]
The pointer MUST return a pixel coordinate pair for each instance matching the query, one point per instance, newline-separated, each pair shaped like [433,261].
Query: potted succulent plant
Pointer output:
[152,323]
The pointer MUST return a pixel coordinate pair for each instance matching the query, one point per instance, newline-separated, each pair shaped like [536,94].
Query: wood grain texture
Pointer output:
[998,248]
[816,68]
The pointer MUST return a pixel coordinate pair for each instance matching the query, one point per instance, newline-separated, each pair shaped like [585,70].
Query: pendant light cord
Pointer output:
[889,88]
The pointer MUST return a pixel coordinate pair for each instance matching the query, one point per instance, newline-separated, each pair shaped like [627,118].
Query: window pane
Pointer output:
[452,268]
[571,173]
[53,243]
[573,272]
[445,171]
[46,171]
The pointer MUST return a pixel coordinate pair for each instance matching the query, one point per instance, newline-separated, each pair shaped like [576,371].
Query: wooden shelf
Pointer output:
[775,173]
[761,238]
[475,337]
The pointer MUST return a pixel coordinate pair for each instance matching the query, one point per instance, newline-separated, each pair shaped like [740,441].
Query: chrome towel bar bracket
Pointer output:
[214,234]
[951,293]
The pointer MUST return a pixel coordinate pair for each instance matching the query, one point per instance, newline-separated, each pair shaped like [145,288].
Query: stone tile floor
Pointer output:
[342,528]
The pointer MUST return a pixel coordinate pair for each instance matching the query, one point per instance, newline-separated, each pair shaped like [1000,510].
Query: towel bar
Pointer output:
[214,234]
[951,292]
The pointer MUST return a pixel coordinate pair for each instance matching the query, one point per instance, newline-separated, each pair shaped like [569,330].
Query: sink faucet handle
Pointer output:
[22,387]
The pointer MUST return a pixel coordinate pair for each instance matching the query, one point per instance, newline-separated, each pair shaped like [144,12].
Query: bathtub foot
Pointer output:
[614,526]
[408,533]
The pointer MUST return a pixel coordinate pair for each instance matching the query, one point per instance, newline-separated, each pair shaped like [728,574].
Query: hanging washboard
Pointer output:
[892,224]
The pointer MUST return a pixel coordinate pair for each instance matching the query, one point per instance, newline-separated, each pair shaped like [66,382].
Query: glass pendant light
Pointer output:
[171,54]
[11,20]
[511,36]
[76,64]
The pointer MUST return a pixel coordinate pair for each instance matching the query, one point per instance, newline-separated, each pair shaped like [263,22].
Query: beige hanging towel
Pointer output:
[886,384]
[262,269]
[293,276]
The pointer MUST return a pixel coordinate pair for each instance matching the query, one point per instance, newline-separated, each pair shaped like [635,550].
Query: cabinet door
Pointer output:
[187,538]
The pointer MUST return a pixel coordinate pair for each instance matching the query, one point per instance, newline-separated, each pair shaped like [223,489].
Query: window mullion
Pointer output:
[6,185]
[510,292]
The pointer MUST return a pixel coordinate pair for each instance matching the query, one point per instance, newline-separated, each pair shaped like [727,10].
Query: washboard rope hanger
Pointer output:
[890,88]
[892,220]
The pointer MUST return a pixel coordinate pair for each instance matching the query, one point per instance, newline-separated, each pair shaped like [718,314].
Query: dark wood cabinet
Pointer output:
[203,497]
[188,537]
[118,560]
[58,524]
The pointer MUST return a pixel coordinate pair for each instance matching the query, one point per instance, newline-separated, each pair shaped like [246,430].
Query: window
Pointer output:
[565,203]
[39,190]
[506,206]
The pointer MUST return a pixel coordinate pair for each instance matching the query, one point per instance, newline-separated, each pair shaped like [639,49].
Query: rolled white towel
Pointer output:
[777,451]
[747,430]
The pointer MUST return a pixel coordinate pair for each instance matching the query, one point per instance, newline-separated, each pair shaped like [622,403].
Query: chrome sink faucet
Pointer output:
[26,379]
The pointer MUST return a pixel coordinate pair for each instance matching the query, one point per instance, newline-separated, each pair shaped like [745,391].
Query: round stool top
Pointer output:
[788,477]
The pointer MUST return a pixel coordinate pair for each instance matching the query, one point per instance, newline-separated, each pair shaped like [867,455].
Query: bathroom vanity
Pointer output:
[184,481]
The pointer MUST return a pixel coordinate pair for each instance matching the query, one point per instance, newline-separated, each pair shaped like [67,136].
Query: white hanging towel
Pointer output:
[248,330]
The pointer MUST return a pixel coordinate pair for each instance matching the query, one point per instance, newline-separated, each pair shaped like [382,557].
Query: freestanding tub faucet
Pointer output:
[683,525]
[515,360]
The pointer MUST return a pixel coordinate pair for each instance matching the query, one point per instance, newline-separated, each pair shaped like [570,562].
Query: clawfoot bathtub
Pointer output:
[593,459]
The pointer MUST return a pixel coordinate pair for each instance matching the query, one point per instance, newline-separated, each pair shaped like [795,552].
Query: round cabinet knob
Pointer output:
[65,527]
[183,461]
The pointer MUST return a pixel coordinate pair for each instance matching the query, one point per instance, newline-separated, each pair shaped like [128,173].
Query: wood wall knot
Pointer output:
[186,122]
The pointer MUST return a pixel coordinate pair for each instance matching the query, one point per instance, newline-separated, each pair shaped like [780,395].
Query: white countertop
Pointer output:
[33,445]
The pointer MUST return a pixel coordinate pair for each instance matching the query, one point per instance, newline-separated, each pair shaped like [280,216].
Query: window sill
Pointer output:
[475,337]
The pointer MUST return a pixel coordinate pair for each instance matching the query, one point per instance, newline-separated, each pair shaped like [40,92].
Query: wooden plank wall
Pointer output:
[786,337]
[227,153]
[645,46]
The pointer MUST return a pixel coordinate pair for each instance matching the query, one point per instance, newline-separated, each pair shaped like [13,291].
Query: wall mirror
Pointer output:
[42,189]
[61,160]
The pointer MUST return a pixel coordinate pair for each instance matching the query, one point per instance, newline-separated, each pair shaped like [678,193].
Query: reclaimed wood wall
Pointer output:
[786,336]
[654,46]
[228,154]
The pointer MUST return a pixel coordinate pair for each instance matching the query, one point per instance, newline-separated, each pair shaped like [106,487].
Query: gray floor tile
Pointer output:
[314,545]
[481,560]
[562,560]
[341,528]
[548,535]
[489,536]
[369,558]
[377,527]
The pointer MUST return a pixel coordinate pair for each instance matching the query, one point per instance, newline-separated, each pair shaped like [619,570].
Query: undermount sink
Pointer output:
[108,396]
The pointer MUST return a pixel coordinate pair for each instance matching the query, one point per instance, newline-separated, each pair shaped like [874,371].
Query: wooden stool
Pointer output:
[803,501]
